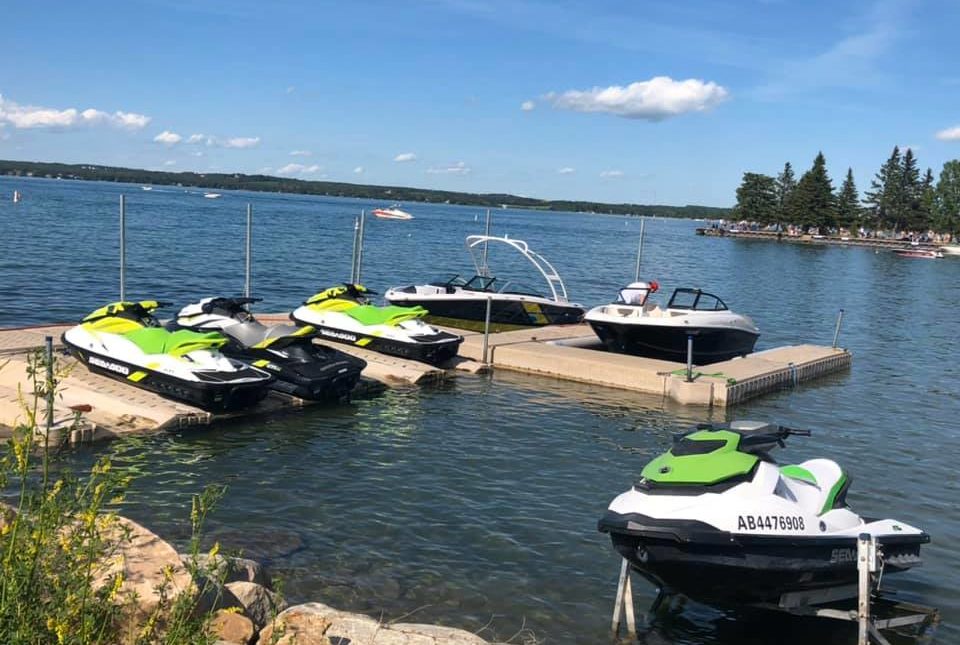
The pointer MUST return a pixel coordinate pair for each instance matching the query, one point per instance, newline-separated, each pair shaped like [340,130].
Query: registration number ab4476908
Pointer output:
[770,523]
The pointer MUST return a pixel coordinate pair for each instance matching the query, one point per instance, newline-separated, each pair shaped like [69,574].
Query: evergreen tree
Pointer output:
[814,201]
[928,200]
[786,186]
[883,197]
[848,203]
[757,199]
[948,199]
[910,215]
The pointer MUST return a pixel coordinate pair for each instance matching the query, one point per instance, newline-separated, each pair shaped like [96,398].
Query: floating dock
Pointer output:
[573,353]
[816,240]
[91,407]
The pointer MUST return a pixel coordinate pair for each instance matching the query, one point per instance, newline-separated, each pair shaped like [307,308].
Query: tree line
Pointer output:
[266,183]
[899,198]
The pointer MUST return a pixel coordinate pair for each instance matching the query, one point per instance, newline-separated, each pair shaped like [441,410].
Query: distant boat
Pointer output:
[950,249]
[17,197]
[212,195]
[146,187]
[393,212]
[919,253]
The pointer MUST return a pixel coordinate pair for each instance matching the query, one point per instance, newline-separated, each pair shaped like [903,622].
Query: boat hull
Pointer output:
[330,375]
[723,569]
[213,394]
[433,349]
[710,344]
[505,315]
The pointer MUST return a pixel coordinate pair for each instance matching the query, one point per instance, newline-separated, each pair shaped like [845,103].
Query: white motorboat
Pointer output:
[463,303]
[393,212]
[212,195]
[950,249]
[632,324]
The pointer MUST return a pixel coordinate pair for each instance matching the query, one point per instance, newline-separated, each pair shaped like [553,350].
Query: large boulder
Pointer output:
[317,624]
[232,569]
[233,628]
[258,602]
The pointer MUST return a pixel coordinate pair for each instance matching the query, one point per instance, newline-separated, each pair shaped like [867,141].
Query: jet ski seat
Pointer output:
[157,340]
[391,315]
[827,483]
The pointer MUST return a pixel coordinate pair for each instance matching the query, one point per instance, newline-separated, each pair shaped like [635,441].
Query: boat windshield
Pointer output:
[632,296]
[448,281]
[695,299]
[480,283]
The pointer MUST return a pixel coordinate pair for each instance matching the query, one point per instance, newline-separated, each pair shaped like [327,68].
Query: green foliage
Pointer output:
[947,217]
[786,188]
[339,189]
[814,201]
[848,202]
[757,199]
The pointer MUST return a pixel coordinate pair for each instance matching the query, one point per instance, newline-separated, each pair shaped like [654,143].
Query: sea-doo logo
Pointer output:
[107,365]
[841,556]
[338,334]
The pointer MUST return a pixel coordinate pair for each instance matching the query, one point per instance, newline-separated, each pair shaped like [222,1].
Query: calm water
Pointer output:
[475,502]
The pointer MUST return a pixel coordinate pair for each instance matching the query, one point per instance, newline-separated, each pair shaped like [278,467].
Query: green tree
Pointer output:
[757,199]
[786,186]
[910,215]
[947,219]
[884,197]
[814,200]
[848,202]
[928,199]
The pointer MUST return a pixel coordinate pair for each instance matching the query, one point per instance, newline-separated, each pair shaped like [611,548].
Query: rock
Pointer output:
[258,602]
[317,624]
[233,628]
[235,569]
[213,597]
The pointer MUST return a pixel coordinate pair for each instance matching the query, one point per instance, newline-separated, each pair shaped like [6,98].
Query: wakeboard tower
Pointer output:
[344,314]
[123,340]
[302,368]
[716,519]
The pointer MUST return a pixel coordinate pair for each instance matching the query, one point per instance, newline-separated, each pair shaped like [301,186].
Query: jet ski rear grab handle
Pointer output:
[870,563]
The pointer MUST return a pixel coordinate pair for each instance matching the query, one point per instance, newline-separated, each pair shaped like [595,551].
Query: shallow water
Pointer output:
[474,502]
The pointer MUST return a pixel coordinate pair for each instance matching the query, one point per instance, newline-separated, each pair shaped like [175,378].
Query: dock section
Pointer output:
[573,353]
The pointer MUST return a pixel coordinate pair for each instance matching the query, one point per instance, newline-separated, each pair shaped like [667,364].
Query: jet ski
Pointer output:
[343,314]
[124,341]
[716,519]
[303,368]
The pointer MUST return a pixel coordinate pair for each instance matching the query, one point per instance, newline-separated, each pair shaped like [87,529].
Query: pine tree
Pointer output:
[756,199]
[848,203]
[786,186]
[910,216]
[928,200]
[948,199]
[814,200]
[883,197]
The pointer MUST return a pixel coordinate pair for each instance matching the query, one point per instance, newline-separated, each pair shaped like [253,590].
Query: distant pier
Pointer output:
[814,240]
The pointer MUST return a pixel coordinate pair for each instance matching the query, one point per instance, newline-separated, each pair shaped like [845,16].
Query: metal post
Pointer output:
[639,250]
[864,541]
[486,231]
[123,247]
[624,602]
[689,358]
[486,329]
[249,249]
[353,257]
[836,333]
[363,219]
[48,356]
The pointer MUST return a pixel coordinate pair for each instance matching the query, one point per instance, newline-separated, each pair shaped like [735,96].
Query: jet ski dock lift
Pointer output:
[874,612]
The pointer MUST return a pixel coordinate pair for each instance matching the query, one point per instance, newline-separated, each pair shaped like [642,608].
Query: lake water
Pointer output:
[473,503]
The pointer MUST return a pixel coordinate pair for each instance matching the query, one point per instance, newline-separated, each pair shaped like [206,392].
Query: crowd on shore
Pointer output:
[791,230]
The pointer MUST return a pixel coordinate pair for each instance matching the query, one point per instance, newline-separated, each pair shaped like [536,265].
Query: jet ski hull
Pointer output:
[433,349]
[330,376]
[212,393]
[505,314]
[669,343]
[724,569]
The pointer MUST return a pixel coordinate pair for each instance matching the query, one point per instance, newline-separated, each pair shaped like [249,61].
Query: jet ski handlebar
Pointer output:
[800,432]
[231,304]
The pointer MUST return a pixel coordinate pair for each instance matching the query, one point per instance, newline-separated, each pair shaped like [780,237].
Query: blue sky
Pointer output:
[618,101]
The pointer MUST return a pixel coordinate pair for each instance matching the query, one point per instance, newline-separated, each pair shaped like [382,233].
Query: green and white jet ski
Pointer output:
[124,341]
[344,314]
[716,519]
[302,367]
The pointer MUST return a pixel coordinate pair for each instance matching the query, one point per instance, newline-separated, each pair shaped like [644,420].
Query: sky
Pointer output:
[605,100]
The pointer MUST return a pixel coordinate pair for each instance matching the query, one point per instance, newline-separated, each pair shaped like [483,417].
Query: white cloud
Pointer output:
[240,142]
[655,100]
[611,174]
[198,138]
[168,138]
[405,156]
[301,153]
[527,106]
[170,162]
[566,171]
[32,116]
[459,168]
[950,134]
[358,170]
[299,169]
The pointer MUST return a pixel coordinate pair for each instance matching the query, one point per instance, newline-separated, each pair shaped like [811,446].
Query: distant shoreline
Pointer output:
[270,184]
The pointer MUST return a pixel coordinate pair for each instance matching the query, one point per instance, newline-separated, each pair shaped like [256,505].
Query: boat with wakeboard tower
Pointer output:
[927,254]
[392,212]
[125,341]
[633,324]
[716,519]
[302,368]
[462,303]
[344,314]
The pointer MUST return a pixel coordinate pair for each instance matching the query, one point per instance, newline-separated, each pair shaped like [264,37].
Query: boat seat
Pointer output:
[391,315]
[830,481]
[156,340]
